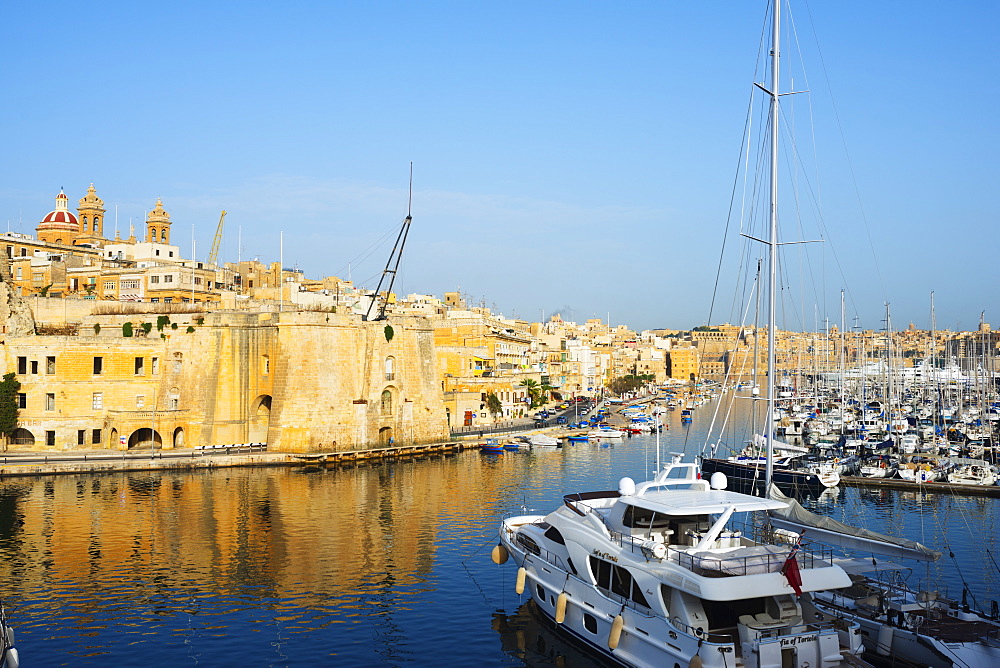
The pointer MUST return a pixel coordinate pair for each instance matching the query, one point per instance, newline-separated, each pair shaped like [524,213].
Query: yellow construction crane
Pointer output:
[213,255]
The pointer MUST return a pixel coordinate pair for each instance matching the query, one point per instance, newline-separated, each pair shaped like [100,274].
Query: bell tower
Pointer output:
[158,225]
[91,216]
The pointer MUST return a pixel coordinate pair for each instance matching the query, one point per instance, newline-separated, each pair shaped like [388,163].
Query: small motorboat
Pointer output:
[491,445]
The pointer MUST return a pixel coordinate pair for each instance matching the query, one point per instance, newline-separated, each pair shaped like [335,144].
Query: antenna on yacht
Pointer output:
[397,252]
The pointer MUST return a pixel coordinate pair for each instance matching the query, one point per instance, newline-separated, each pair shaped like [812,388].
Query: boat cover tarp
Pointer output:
[760,441]
[830,531]
[744,561]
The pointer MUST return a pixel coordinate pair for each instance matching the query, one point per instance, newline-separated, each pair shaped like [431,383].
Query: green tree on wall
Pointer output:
[9,388]
[493,404]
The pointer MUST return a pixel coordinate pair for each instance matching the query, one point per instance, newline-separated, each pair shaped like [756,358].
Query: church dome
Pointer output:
[62,217]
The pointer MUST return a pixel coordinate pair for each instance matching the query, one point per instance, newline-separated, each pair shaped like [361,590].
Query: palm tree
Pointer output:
[531,386]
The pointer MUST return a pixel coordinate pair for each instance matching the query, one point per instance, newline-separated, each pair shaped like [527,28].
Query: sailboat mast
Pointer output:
[772,244]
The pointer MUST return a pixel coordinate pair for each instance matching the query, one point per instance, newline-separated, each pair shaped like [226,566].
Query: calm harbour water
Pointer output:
[385,564]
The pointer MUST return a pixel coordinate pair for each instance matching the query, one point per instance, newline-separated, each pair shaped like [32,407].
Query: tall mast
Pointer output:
[772,243]
[397,252]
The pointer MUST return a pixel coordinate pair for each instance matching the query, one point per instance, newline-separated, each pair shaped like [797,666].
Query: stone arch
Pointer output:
[386,401]
[22,436]
[390,368]
[179,438]
[260,419]
[145,438]
[84,223]
[113,440]
[385,436]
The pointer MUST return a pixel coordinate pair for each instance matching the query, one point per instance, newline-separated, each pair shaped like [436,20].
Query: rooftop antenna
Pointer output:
[397,252]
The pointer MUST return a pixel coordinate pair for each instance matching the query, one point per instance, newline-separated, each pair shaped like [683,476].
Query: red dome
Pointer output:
[65,217]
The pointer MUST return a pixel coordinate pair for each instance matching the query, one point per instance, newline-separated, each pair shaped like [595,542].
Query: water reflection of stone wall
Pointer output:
[359,536]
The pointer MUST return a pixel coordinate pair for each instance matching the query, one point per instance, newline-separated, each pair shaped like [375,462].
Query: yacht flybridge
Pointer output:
[659,573]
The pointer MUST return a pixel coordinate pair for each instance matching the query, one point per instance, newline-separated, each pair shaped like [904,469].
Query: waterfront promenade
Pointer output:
[52,463]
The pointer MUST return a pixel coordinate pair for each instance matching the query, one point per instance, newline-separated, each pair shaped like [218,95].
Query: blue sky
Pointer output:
[568,156]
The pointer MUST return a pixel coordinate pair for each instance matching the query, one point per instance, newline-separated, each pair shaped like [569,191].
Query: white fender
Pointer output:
[499,554]
[561,607]
[12,661]
[521,577]
[616,632]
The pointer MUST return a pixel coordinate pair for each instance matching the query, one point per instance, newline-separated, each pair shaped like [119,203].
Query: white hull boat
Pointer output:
[973,474]
[604,434]
[918,628]
[8,653]
[655,575]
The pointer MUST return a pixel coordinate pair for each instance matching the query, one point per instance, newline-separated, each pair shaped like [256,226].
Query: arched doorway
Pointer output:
[385,437]
[21,436]
[260,419]
[113,443]
[179,437]
[144,438]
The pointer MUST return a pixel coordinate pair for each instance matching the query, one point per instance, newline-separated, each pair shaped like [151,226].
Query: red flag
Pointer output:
[791,571]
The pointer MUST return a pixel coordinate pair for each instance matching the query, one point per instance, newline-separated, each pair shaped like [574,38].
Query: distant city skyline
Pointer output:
[567,156]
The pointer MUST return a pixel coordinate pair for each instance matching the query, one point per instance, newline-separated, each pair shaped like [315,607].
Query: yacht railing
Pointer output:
[809,555]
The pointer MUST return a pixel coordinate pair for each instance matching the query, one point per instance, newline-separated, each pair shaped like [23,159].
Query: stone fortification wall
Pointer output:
[298,381]
[306,381]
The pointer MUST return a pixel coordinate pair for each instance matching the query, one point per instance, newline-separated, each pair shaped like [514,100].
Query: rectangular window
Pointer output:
[98,401]
[22,400]
[155,366]
[168,279]
[20,274]
[50,401]
[174,403]
[98,366]
[81,436]
[50,438]
[197,280]
[154,300]
[168,300]
[97,437]
[154,279]
[140,366]
[140,401]
[22,365]
[50,365]
[34,367]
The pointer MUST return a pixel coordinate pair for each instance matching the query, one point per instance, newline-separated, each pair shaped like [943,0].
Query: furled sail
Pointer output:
[826,530]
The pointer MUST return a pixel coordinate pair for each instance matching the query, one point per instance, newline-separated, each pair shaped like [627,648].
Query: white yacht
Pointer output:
[655,574]
[8,653]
